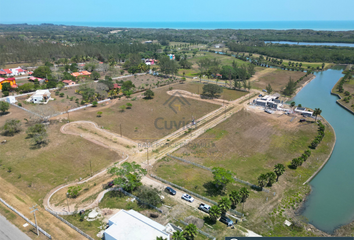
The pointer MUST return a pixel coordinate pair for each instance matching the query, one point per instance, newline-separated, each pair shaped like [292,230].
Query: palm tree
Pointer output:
[279,169]
[224,204]
[190,231]
[178,235]
[317,112]
[214,213]
[235,198]
[262,180]
[244,195]
[271,177]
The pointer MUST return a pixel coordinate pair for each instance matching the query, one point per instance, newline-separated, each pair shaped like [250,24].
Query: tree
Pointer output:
[224,204]
[149,94]
[178,235]
[94,104]
[211,90]
[129,175]
[99,114]
[296,162]
[168,66]
[38,134]
[244,194]
[11,127]
[271,177]
[290,87]
[222,177]
[74,67]
[235,198]
[95,75]
[317,112]
[74,191]
[262,180]
[149,195]
[269,88]
[308,153]
[42,72]
[4,106]
[190,231]
[292,104]
[127,85]
[129,105]
[279,170]
[214,213]
[122,108]
[6,87]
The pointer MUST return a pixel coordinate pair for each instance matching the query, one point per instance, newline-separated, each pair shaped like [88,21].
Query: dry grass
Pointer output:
[278,79]
[143,115]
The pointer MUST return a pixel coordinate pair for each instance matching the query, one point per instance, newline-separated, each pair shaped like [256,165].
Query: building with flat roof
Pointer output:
[303,111]
[268,101]
[127,225]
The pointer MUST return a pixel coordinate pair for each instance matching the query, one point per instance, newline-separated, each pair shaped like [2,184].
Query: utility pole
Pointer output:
[120,126]
[34,214]
[90,168]
[147,155]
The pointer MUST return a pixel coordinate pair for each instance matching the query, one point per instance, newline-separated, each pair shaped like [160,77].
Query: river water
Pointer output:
[331,202]
[314,43]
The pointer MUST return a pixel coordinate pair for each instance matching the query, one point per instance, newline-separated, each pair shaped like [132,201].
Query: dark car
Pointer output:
[170,191]
[226,220]
[302,120]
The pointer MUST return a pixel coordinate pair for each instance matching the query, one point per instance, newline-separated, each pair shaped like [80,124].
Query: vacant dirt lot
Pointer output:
[250,144]
[278,79]
[147,120]
[197,88]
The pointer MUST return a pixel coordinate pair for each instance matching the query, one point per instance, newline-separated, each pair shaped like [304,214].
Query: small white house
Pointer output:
[11,99]
[40,96]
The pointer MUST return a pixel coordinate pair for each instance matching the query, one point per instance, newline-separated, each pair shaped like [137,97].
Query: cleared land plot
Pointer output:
[64,159]
[147,120]
[197,88]
[145,81]
[278,79]
[250,144]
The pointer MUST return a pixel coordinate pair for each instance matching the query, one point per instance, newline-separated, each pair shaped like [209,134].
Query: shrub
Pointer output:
[19,104]
[61,94]
[94,104]
[129,105]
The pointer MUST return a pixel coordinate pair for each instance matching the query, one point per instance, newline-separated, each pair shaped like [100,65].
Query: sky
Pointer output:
[44,11]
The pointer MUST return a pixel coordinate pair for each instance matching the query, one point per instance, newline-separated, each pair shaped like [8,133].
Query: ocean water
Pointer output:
[277,25]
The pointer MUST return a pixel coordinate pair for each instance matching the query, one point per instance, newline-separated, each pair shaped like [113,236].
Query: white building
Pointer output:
[128,225]
[17,71]
[269,101]
[303,111]
[11,99]
[40,96]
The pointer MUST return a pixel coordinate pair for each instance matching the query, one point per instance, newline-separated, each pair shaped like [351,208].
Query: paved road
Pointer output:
[8,231]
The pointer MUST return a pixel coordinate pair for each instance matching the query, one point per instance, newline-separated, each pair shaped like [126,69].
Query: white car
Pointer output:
[187,197]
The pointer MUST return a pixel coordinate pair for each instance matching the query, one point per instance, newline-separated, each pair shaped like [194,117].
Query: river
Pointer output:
[313,43]
[331,202]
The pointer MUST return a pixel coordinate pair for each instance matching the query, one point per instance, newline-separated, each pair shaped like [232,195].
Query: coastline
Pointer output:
[340,98]
[303,85]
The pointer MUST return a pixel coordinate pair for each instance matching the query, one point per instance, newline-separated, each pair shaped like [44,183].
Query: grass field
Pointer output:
[250,144]
[65,158]
[197,88]
[147,120]
[278,79]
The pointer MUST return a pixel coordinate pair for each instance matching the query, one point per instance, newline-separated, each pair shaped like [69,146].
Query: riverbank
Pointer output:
[304,84]
[338,94]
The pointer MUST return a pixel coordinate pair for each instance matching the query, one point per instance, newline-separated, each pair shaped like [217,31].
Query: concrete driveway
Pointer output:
[8,231]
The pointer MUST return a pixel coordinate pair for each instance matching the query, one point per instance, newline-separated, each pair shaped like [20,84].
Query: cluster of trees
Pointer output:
[296,162]
[271,177]
[297,52]
[321,131]
[212,90]
[189,233]
[11,127]
[4,107]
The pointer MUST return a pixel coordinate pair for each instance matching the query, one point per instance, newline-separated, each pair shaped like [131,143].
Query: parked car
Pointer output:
[260,95]
[187,197]
[226,220]
[264,90]
[268,111]
[204,207]
[170,190]
[302,120]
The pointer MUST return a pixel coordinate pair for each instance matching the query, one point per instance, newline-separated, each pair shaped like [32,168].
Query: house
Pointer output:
[150,61]
[17,71]
[69,82]
[82,73]
[6,72]
[172,56]
[11,99]
[303,111]
[40,80]
[12,82]
[269,101]
[219,45]
[116,86]
[40,96]
[127,225]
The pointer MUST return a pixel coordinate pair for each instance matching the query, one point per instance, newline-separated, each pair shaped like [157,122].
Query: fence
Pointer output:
[69,224]
[193,193]
[200,231]
[26,219]
[206,168]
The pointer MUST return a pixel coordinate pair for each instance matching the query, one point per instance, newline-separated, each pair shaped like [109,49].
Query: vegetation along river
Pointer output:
[331,201]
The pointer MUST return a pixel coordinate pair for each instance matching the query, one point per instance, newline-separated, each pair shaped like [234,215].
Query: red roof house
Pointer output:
[116,86]
[69,82]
